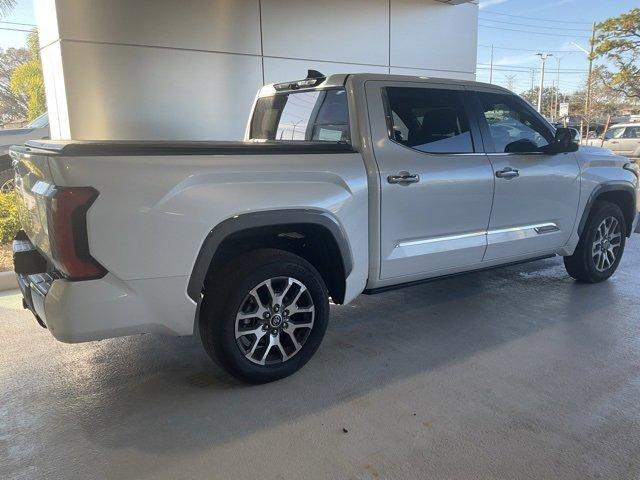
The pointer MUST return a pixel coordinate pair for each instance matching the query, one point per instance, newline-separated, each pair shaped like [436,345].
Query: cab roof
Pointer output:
[340,79]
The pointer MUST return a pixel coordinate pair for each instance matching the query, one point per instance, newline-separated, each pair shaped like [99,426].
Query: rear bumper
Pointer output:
[108,307]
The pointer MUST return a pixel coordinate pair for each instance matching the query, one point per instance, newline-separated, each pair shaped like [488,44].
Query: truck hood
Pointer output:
[592,150]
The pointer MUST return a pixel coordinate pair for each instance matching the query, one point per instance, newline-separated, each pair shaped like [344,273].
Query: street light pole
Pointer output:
[543,59]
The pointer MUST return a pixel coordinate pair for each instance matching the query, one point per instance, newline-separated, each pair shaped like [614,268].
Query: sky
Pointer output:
[513,27]
[551,26]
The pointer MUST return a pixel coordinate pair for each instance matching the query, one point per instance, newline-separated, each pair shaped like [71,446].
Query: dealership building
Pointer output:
[145,69]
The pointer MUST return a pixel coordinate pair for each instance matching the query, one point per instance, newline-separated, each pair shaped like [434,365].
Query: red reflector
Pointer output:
[68,233]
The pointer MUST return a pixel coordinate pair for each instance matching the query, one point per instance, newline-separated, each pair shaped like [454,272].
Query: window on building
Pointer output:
[513,124]
[302,116]
[430,120]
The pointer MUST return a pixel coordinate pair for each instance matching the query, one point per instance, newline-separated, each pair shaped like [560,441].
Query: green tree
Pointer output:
[27,79]
[12,106]
[548,98]
[618,40]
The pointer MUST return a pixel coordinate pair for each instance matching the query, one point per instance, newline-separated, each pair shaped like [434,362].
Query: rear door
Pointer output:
[436,183]
[630,141]
[536,194]
[613,140]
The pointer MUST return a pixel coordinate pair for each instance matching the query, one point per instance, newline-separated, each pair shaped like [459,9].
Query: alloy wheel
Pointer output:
[274,321]
[607,243]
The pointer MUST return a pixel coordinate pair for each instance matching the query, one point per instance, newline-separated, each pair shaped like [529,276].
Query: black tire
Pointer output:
[582,264]
[6,180]
[228,293]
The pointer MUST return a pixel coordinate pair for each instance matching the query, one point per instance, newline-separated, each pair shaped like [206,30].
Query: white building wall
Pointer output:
[173,69]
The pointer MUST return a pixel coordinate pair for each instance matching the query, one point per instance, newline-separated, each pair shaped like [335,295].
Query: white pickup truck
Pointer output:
[343,185]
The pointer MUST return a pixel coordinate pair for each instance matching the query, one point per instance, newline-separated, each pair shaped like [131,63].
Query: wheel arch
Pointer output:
[270,229]
[619,193]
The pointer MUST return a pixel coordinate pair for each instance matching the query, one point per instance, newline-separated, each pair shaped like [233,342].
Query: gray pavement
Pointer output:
[513,373]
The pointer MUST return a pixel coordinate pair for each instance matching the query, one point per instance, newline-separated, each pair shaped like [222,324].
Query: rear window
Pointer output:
[319,115]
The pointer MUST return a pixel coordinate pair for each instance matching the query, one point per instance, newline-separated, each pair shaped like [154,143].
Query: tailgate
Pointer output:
[34,185]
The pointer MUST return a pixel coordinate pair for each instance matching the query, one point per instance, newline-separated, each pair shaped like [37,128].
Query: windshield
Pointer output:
[319,115]
[41,121]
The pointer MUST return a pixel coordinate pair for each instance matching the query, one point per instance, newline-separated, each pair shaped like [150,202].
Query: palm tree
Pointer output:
[27,79]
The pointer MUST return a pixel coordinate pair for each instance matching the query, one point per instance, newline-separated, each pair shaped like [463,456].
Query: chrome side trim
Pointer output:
[539,226]
[447,238]
[467,240]
[503,235]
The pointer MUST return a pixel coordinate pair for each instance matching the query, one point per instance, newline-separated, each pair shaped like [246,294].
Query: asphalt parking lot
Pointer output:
[512,373]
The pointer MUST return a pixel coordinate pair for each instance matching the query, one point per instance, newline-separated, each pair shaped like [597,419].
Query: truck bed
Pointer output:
[72,148]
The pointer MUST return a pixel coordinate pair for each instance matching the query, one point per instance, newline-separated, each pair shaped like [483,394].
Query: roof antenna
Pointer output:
[314,74]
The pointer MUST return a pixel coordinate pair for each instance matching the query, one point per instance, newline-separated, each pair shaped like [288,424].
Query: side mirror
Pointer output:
[564,141]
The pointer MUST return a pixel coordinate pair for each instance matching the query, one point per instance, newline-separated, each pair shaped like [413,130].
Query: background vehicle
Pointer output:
[346,184]
[37,129]
[622,139]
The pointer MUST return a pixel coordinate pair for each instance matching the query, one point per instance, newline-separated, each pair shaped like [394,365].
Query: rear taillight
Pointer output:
[68,237]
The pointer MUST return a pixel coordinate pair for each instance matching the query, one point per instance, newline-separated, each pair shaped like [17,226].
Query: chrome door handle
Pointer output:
[508,173]
[404,178]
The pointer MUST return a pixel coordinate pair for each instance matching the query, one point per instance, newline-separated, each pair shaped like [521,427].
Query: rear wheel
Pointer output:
[601,245]
[264,315]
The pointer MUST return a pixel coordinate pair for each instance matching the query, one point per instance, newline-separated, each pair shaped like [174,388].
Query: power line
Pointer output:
[527,49]
[536,26]
[18,23]
[528,69]
[535,18]
[15,29]
[547,34]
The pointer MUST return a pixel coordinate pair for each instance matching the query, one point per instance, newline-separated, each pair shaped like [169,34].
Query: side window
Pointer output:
[513,125]
[616,132]
[632,132]
[430,120]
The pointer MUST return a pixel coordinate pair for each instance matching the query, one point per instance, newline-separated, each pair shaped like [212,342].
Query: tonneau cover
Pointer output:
[159,148]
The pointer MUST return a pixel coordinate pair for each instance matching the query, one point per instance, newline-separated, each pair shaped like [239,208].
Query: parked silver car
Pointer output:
[36,130]
[622,139]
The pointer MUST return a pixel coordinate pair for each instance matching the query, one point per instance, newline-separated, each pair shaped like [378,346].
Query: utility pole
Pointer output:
[543,59]
[511,80]
[533,78]
[491,66]
[556,105]
[587,102]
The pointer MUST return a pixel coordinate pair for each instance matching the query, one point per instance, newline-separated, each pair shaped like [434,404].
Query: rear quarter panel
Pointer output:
[154,212]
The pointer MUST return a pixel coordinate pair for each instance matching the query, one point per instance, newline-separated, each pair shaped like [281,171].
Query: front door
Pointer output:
[536,194]
[436,184]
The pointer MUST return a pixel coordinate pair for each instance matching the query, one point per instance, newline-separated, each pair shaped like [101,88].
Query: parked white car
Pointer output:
[622,139]
[36,129]
[344,185]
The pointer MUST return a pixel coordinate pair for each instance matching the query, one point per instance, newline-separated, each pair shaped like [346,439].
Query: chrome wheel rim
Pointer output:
[607,243]
[274,321]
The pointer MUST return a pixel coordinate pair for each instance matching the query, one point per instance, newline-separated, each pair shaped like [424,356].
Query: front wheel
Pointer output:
[601,245]
[264,315]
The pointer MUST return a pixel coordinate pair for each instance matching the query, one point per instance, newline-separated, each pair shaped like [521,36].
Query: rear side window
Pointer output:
[430,120]
[319,115]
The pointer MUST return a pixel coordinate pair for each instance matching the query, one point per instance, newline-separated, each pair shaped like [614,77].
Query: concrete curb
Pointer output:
[8,281]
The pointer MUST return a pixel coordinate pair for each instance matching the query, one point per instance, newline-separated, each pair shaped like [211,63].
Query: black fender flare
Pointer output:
[263,219]
[614,186]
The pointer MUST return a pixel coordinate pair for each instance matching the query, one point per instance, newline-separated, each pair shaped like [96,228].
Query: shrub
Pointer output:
[9,222]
